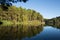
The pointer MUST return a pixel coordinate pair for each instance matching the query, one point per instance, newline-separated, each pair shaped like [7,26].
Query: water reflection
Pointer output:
[55,26]
[18,32]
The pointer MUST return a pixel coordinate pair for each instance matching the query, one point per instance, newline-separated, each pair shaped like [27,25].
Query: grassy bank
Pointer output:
[10,23]
[6,23]
[32,23]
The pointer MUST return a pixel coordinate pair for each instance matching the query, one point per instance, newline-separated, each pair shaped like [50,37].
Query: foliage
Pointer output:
[53,21]
[6,23]
[7,3]
[20,14]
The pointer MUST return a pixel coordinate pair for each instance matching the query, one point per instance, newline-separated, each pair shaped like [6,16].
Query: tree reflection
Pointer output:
[56,26]
[18,32]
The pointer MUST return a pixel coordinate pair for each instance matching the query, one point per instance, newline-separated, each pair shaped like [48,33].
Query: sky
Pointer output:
[47,8]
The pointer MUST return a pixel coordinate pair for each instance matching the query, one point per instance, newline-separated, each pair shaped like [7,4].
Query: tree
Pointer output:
[19,14]
[6,3]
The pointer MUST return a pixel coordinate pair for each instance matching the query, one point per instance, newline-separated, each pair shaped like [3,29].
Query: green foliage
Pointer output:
[7,3]
[20,14]
[6,23]
[53,21]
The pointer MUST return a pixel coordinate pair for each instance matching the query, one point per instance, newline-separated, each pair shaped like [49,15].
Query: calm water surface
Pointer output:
[48,33]
[29,33]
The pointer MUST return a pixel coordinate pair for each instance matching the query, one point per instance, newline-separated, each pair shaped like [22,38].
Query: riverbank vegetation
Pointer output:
[53,22]
[19,15]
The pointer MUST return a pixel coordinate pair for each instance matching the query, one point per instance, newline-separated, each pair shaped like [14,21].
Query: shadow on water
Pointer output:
[55,26]
[18,32]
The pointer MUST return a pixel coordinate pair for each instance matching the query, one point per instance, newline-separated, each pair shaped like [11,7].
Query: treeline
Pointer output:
[53,21]
[19,14]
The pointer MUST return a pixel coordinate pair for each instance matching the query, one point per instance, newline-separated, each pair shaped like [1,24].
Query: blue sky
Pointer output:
[48,8]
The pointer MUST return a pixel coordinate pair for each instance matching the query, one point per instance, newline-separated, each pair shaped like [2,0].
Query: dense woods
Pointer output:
[19,14]
[10,14]
[53,21]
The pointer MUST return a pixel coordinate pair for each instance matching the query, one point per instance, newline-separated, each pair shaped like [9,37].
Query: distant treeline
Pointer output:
[53,21]
[20,14]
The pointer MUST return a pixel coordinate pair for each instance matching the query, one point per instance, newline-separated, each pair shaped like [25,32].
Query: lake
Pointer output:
[29,33]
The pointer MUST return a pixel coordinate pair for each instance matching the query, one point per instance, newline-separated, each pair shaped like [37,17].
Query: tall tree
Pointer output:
[6,3]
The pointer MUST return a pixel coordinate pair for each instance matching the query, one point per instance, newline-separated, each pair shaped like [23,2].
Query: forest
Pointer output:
[19,15]
[53,22]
